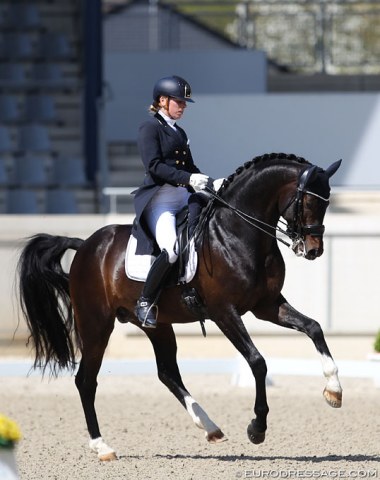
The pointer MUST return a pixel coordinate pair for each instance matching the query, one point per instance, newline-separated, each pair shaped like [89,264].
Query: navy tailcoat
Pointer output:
[167,158]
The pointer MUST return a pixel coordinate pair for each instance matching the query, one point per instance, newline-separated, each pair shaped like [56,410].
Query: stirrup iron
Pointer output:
[147,313]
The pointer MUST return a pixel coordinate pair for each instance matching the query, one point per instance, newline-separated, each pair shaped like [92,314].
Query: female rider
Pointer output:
[170,180]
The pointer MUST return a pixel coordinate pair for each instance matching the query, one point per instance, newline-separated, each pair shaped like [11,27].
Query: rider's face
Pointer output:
[173,108]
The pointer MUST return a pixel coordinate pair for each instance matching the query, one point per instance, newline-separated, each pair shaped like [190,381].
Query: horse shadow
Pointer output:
[256,458]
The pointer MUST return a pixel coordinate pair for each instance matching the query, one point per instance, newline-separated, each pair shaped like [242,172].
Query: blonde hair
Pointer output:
[154,108]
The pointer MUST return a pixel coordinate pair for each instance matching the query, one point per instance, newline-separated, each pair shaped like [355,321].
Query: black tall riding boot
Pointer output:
[146,309]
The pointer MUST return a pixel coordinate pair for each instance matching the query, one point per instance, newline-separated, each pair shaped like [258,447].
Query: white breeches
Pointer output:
[160,215]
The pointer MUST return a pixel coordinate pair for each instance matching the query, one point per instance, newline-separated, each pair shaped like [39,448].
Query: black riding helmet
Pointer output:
[175,87]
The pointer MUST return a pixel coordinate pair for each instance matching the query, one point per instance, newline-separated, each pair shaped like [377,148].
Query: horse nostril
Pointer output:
[313,254]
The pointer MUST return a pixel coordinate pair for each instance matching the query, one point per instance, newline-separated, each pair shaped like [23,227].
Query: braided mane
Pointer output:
[261,159]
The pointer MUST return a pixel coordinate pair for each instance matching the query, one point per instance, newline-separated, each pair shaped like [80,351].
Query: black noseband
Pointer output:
[313,230]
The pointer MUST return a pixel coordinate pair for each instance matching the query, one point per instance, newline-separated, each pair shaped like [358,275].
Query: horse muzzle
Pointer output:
[313,241]
[309,248]
[308,241]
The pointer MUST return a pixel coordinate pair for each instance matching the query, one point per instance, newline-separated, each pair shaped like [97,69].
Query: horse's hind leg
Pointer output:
[165,348]
[94,346]
[283,314]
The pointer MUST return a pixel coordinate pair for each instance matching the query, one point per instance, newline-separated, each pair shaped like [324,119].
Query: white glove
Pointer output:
[198,181]
[218,183]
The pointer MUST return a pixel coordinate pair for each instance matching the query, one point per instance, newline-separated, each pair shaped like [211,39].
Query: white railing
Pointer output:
[113,193]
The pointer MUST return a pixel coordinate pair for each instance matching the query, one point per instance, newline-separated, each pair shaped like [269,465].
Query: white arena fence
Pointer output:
[340,289]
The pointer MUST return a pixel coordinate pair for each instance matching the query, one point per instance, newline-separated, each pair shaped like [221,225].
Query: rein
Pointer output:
[298,231]
[250,220]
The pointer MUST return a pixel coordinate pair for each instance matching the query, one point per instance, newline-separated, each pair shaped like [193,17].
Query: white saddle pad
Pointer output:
[138,266]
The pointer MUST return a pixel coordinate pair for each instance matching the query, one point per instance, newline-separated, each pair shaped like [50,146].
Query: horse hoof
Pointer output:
[334,399]
[216,437]
[104,452]
[255,436]
[108,457]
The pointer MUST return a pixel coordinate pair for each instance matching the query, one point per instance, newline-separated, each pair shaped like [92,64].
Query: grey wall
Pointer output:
[321,127]
[142,27]
[234,120]
[131,77]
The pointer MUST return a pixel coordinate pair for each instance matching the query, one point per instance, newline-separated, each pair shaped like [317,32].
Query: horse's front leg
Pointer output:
[283,314]
[165,348]
[231,324]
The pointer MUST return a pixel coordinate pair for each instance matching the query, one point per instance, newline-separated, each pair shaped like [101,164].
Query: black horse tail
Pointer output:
[44,296]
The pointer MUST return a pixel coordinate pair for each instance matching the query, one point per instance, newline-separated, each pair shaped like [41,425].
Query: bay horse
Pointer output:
[240,269]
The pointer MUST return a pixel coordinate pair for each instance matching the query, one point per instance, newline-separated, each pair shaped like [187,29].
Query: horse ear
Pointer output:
[309,176]
[333,168]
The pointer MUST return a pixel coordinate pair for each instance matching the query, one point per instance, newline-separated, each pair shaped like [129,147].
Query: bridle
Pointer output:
[295,231]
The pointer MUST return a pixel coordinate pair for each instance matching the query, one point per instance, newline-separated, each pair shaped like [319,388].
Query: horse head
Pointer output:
[306,210]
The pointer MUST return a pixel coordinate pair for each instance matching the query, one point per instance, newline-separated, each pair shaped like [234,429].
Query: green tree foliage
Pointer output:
[376,344]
